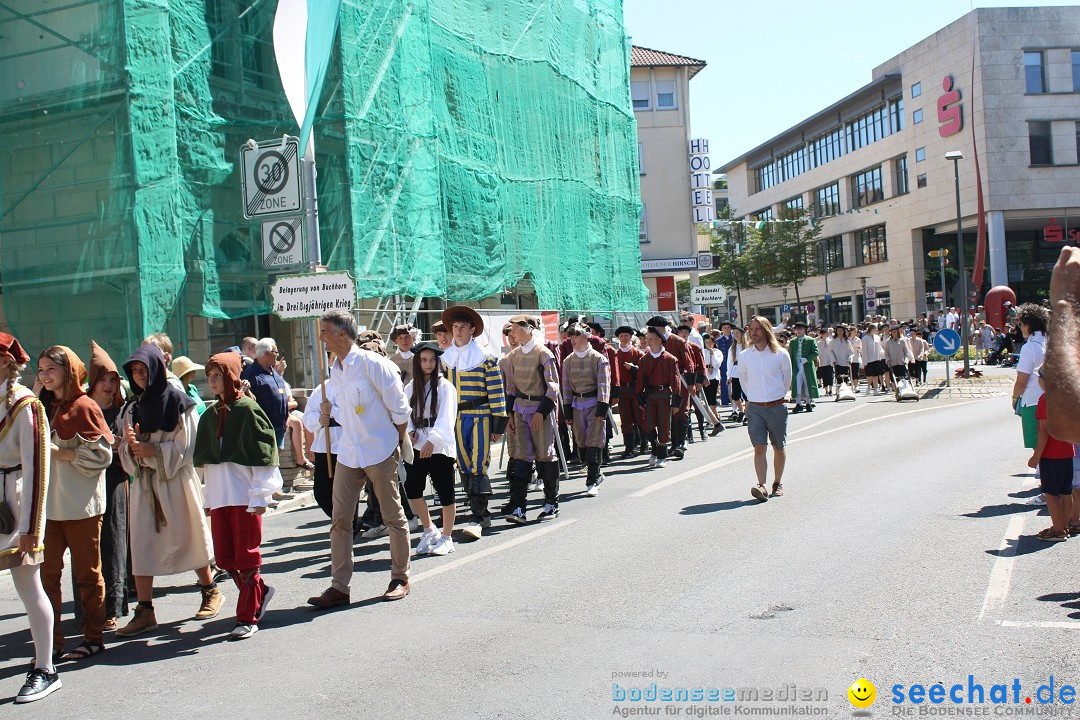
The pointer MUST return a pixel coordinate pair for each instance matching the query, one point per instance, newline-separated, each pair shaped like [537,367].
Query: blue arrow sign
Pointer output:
[947,342]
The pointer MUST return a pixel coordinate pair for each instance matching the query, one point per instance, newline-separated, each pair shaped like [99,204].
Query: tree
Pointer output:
[730,248]
[787,249]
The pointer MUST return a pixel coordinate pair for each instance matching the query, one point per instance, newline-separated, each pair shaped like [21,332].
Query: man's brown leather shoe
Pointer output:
[330,598]
[397,590]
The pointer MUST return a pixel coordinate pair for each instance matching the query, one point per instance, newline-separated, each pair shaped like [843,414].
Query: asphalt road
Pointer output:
[902,553]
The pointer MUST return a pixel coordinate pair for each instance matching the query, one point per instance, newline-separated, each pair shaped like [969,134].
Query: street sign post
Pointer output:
[785,308]
[270,177]
[947,342]
[283,242]
[811,308]
[295,297]
[708,295]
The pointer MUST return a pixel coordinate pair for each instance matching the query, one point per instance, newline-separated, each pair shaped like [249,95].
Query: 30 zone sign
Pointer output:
[271,177]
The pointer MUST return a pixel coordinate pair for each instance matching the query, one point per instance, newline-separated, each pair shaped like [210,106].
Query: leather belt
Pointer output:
[472,404]
[425,423]
[533,398]
[8,470]
[771,403]
[657,387]
[591,394]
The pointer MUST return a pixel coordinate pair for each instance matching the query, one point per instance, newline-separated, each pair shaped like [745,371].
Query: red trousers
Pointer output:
[630,413]
[237,535]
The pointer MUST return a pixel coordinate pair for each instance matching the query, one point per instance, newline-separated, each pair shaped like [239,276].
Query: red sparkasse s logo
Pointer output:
[1054,233]
[951,118]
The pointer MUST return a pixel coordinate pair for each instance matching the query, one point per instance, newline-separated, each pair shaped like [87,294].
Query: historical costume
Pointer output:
[586,394]
[804,353]
[659,392]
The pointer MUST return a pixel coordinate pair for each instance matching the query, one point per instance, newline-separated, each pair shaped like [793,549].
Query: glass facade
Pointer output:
[867,188]
[828,200]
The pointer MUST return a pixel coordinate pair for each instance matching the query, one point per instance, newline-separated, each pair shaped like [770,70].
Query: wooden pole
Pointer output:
[322,389]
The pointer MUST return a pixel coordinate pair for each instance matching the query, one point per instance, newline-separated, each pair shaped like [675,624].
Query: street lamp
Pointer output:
[956,156]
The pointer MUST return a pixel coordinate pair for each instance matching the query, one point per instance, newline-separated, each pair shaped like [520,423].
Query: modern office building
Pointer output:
[1002,84]
[660,92]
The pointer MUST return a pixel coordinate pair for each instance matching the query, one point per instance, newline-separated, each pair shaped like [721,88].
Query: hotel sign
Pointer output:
[701,199]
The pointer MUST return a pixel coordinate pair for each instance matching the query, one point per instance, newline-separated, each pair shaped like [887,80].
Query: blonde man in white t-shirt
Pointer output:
[765,374]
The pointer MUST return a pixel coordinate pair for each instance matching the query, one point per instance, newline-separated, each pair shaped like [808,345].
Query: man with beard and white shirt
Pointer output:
[765,370]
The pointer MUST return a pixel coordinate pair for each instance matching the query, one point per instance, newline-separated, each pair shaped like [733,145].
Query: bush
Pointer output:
[959,356]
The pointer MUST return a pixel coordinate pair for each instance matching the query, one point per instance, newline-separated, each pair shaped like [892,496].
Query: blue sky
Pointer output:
[772,63]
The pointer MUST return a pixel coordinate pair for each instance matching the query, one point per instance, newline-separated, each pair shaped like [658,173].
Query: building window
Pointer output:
[1039,142]
[916,117]
[870,246]
[1034,75]
[920,154]
[900,175]
[643,225]
[665,95]
[641,158]
[916,90]
[1076,70]
[639,94]
[866,188]
[764,214]
[1078,143]
[920,180]
[833,250]
[828,200]
[896,113]
[795,203]
[826,147]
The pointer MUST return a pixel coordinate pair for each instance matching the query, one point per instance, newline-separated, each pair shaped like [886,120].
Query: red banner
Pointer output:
[665,293]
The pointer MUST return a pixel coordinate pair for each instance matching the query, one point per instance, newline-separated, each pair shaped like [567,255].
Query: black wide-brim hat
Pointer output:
[433,347]
[658,321]
[466,313]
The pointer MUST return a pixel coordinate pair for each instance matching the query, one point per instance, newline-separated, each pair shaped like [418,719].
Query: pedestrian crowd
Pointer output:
[137,477]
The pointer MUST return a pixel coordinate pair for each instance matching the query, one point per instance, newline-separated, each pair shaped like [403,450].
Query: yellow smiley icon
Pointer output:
[862,693]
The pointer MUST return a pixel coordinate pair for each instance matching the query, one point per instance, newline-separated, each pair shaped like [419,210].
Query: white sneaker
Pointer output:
[375,532]
[472,530]
[414,524]
[427,541]
[652,461]
[592,491]
[1037,500]
[660,462]
[444,546]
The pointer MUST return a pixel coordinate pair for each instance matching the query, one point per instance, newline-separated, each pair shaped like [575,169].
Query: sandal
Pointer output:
[1074,528]
[777,490]
[1050,535]
[83,651]
[110,624]
[306,465]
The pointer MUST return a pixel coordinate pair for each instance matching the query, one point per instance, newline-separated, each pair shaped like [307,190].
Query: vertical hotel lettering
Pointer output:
[701,200]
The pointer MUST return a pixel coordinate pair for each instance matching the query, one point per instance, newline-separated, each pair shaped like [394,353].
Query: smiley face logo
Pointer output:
[862,693]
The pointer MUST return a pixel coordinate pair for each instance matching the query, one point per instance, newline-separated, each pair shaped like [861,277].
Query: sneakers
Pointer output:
[549,511]
[414,524]
[427,541]
[211,603]
[517,517]
[797,409]
[472,531]
[1037,500]
[660,462]
[653,460]
[268,594]
[592,491]
[243,632]
[375,532]
[330,597]
[760,493]
[444,546]
[39,684]
[143,621]
[716,429]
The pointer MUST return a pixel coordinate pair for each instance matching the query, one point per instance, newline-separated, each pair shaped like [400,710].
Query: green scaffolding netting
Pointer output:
[461,145]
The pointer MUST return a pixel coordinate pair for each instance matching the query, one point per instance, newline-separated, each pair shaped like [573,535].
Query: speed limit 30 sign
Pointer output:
[270,175]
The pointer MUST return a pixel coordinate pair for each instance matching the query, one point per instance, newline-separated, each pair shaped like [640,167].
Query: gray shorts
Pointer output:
[767,423]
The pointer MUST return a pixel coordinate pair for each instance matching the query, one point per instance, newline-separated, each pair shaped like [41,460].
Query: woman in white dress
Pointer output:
[168,529]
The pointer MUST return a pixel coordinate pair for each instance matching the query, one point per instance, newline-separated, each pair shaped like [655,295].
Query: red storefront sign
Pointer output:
[665,293]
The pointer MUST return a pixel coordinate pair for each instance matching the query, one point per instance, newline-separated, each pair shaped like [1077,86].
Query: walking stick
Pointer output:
[322,390]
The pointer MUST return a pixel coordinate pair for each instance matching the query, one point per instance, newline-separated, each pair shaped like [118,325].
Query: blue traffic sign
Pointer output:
[947,342]
[785,308]
[828,297]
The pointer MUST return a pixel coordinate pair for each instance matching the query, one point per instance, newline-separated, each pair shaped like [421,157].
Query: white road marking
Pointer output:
[491,550]
[743,454]
[997,591]
[1058,624]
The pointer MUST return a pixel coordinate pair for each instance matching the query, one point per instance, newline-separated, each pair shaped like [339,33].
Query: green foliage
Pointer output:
[730,248]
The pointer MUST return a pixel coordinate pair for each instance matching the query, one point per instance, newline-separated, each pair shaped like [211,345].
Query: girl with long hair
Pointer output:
[433,417]
[738,397]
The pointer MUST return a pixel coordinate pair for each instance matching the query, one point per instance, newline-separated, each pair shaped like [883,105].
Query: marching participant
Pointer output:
[627,357]
[804,353]
[659,393]
[586,393]
[677,347]
[532,394]
[475,375]
[404,336]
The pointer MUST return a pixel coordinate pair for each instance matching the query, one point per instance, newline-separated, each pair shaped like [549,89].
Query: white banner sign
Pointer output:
[708,295]
[309,296]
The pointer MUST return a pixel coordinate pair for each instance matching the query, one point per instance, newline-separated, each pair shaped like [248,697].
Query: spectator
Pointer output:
[268,386]
[1063,349]
[1054,458]
[185,369]
[1026,391]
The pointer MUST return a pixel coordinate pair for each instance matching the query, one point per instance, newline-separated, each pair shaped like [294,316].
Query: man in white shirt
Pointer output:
[368,400]
[952,319]
[765,374]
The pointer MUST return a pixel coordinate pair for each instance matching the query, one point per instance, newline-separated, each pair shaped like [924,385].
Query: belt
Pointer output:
[771,403]
[425,423]
[591,394]
[8,470]
[533,398]
[472,404]
[657,387]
